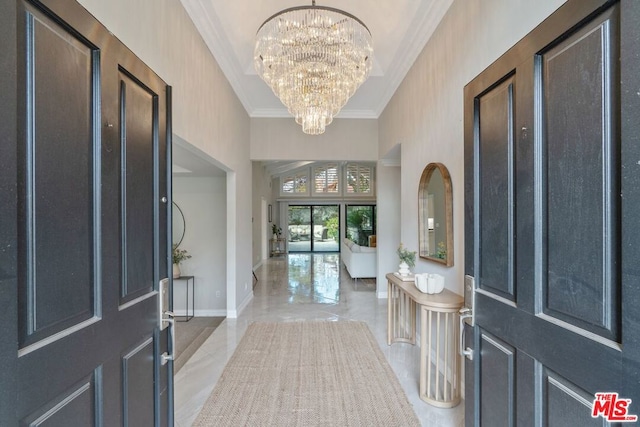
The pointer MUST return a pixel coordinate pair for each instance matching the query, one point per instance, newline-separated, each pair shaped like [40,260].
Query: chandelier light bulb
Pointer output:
[314,58]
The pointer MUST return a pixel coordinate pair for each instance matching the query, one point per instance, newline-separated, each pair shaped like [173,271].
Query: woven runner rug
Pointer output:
[307,374]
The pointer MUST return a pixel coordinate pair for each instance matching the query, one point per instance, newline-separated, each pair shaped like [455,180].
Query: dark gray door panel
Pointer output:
[549,197]
[82,248]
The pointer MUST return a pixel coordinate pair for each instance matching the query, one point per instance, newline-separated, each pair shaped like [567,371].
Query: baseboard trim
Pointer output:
[245,303]
[233,314]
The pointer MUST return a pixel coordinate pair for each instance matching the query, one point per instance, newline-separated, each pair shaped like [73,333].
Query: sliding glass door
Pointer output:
[313,228]
[326,222]
[299,229]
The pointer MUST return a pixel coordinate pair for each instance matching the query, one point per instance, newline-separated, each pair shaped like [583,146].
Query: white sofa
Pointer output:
[360,261]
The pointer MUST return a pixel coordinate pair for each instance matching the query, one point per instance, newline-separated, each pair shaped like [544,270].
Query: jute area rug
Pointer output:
[307,374]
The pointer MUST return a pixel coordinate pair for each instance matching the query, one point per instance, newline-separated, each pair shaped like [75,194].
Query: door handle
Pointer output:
[166,356]
[465,313]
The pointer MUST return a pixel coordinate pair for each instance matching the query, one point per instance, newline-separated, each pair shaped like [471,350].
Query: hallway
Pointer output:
[295,288]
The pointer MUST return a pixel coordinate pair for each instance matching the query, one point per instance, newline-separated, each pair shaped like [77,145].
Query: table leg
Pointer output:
[390,324]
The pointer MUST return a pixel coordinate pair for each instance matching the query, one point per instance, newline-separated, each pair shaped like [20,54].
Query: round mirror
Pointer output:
[435,214]
[178,225]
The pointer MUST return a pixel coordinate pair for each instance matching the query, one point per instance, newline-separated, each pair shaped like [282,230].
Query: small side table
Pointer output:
[187,280]
[277,246]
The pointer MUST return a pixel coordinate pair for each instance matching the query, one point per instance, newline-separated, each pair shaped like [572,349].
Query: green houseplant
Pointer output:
[407,259]
[406,256]
[277,231]
[442,251]
[178,255]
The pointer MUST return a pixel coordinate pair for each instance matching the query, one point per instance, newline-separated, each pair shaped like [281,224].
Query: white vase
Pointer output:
[275,237]
[176,271]
[404,269]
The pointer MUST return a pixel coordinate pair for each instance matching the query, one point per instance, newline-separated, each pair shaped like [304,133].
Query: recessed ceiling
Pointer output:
[400,29]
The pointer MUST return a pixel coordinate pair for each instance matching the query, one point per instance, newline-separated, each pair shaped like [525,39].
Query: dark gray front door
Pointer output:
[552,235]
[85,242]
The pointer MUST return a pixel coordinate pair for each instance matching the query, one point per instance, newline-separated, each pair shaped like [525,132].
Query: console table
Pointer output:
[187,280]
[440,376]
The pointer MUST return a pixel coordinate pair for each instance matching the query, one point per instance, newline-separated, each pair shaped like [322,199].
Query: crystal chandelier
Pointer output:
[313,58]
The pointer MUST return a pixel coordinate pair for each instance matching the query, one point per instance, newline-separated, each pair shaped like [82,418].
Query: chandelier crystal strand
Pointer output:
[314,58]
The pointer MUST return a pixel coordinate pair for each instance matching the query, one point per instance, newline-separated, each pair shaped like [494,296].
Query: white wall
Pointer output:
[388,223]
[206,112]
[344,139]
[425,114]
[203,203]
[261,190]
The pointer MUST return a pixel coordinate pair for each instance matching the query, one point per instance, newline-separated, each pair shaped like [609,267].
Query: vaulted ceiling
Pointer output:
[400,29]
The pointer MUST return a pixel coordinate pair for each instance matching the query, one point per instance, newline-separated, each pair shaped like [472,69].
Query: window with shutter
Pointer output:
[359,178]
[295,184]
[326,179]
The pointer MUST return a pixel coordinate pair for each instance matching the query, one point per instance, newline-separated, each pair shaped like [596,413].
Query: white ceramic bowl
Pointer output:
[429,283]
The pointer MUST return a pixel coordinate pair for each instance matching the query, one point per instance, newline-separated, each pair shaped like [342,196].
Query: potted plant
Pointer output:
[442,251]
[407,259]
[277,231]
[178,256]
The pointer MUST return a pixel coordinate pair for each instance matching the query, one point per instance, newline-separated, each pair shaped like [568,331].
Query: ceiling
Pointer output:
[400,29]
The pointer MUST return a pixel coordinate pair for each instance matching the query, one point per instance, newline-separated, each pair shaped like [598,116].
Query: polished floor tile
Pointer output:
[304,287]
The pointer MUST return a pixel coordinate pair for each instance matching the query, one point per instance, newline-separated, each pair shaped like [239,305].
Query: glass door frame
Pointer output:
[311,224]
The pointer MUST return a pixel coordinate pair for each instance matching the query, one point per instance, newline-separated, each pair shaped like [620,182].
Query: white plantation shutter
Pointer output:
[359,178]
[295,184]
[326,179]
[330,179]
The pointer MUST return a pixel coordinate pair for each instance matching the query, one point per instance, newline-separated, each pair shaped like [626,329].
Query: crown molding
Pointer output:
[208,24]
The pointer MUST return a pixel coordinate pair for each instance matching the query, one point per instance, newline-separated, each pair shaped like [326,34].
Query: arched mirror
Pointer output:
[435,214]
[178,225]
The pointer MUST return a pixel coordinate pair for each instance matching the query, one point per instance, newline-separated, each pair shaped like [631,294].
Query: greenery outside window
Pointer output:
[361,223]
[313,228]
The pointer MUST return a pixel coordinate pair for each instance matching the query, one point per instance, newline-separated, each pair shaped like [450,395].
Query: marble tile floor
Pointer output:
[304,287]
